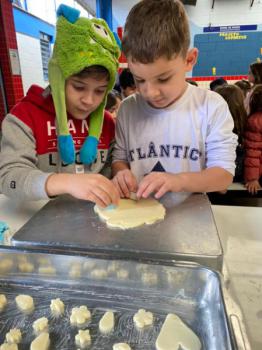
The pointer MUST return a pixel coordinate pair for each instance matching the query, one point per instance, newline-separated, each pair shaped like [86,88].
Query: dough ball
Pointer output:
[6,265]
[98,273]
[57,307]
[14,336]
[83,338]
[122,274]
[47,270]
[40,325]
[149,278]
[75,270]
[42,342]
[7,346]
[25,303]
[121,346]
[89,265]
[26,267]
[143,318]
[80,315]
[113,266]
[107,322]
[3,302]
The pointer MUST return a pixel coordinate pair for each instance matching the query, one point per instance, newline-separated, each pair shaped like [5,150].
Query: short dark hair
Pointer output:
[217,82]
[156,28]
[126,79]
[255,102]
[256,70]
[192,82]
[112,99]
[96,72]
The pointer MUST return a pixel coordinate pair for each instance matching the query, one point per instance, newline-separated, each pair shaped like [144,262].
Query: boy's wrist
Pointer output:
[57,184]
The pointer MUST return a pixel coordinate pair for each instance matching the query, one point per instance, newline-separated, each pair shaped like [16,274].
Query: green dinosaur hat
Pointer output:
[80,43]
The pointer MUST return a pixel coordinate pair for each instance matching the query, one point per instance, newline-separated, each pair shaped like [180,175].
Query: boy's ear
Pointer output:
[191,59]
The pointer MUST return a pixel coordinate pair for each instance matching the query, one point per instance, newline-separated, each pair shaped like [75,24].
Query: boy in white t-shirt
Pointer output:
[171,136]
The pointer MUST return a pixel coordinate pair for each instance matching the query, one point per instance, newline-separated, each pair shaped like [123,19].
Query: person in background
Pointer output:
[244,85]
[233,95]
[51,139]
[254,77]
[192,82]
[127,83]
[113,103]
[170,135]
[253,142]
[217,82]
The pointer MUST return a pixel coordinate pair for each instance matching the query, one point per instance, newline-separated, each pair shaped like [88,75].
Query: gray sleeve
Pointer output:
[221,142]
[120,152]
[107,171]
[20,177]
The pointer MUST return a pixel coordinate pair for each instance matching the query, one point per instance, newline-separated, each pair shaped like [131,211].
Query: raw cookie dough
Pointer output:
[42,342]
[80,315]
[7,346]
[130,213]
[122,274]
[47,270]
[3,302]
[107,322]
[40,325]
[25,266]
[25,303]
[83,338]
[57,307]
[6,265]
[121,346]
[143,318]
[175,334]
[99,273]
[14,336]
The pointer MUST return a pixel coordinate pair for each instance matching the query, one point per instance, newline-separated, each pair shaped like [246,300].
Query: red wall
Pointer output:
[12,83]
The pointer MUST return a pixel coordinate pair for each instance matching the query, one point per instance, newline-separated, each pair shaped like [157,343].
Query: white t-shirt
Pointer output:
[192,134]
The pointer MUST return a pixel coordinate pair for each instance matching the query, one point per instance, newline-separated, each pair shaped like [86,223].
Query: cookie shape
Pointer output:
[80,315]
[107,322]
[121,346]
[57,307]
[42,342]
[25,303]
[175,334]
[14,336]
[7,346]
[40,325]
[3,302]
[83,338]
[143,318]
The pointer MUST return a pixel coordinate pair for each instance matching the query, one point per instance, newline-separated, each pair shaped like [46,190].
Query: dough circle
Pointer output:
[130,213]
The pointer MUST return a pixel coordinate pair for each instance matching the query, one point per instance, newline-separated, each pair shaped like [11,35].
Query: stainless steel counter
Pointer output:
[188,232]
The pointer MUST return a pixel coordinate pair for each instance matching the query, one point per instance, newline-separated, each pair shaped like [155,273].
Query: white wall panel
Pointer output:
[30,61]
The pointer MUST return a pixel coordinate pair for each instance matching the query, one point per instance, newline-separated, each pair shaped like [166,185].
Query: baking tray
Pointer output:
[192,292]
[188,232]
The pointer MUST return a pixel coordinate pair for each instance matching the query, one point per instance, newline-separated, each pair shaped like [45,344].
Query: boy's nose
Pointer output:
[87,99]
[150,92]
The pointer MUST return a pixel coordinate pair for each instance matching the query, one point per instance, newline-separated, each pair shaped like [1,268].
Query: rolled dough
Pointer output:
[130,213]
[175,334]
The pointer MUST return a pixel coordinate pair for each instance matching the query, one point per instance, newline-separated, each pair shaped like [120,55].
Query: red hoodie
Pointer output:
[29,146]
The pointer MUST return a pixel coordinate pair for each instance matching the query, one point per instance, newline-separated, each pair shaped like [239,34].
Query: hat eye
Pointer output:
[101,31]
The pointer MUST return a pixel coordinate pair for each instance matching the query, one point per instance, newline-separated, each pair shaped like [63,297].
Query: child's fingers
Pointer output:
[122,183]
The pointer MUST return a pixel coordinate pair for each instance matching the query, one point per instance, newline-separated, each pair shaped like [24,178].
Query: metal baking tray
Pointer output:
[187,233]
[192,292]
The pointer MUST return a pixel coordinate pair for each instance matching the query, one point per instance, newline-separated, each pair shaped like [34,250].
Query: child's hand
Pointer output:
[252,186]
[93,187]
[125,182]
[159,183]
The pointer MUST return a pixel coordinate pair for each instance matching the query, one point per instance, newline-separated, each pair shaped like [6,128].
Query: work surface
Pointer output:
[241,236]
[188,232]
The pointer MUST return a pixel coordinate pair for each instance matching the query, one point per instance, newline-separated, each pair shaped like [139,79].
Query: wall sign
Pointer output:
[235,28]
[15,63]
